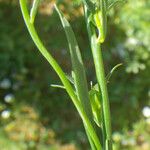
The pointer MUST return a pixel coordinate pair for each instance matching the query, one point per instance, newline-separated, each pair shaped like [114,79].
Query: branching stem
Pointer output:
[60,73]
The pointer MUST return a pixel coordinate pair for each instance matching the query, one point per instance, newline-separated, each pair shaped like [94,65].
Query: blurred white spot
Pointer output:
[135,67]
[5,114]
[146,111]
[132,41]
[130,141]
[116,136]
[5,83]
[124,142]
[9,98]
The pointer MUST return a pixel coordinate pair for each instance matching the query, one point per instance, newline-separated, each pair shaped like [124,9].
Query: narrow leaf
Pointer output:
[77,64]
[34,10]
[58,86]
[95,103]
[79,76]
[112,70]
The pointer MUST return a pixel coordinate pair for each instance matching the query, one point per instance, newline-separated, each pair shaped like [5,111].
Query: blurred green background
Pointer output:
[35,116]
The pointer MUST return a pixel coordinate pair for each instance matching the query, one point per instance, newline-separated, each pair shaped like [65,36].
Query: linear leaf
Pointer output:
[58,86]
[34,10]
[77,64]
[80,80]
[95,100]
[112,70]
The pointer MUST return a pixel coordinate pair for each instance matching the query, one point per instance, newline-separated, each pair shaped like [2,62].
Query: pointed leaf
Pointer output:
[112,70]
[34,10]
[58,86]
[95,103]
[79,76]
[77,64]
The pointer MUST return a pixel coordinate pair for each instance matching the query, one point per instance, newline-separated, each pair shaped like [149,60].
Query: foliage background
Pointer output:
[36,116]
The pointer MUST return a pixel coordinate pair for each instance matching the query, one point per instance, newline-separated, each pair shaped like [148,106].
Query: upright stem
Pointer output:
[100,73]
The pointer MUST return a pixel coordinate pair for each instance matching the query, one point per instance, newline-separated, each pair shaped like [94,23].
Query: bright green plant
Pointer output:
[93,105]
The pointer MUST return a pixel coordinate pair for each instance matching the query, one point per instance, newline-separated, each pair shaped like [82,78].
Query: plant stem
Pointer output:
[60,73]
[100,73]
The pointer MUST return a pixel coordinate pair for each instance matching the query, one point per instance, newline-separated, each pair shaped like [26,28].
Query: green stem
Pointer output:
[90,139]
[100,73]
[59,72]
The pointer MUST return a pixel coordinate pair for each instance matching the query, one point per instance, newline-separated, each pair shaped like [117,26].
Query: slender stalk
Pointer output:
[99,66]
[100,74]
[93,147]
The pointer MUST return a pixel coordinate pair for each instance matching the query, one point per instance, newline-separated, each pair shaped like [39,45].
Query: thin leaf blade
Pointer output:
[33,10]
[78,71]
